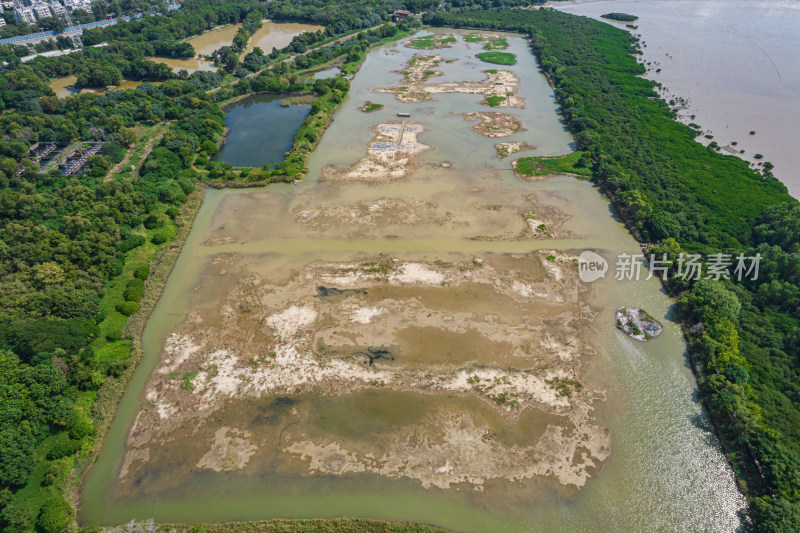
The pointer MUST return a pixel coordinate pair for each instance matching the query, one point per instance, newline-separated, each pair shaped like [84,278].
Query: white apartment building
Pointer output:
[72,5]
[41,10]
[57,9]
[24,14]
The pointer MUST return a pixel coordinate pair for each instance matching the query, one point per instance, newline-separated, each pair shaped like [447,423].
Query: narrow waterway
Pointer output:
[460,205]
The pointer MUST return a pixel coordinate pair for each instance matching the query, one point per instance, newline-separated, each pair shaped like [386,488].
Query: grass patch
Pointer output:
[545,166]
[495,101]
[431,42]
[369,107]
[498,58]
[496,44]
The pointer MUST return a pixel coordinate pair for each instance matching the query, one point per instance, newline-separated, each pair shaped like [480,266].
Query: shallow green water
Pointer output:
[666,471]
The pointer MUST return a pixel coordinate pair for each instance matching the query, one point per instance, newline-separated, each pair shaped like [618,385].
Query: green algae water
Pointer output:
[665,471]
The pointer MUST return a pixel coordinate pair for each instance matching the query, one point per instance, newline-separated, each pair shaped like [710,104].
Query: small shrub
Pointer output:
[160,238]
[63,447]
[130,243]
[142,272]
[154,220]
[128,308]
[117,368]
[134,291]
[54,516]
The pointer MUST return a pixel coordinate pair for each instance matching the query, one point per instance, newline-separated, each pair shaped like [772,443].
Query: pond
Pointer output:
[327,73]
[261,130]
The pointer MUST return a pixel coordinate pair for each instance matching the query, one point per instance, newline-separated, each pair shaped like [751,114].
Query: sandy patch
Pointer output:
[289,322]
[415,273]
[498,83]
[228,452]
[377,213]
[459,451]
[493,124]
[430,42]
[391,155]
[505,149]
[364,315]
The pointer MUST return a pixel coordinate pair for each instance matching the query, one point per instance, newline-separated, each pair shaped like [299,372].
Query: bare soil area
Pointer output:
[494,124]
[502,331]
[391,155]
[498,83]
[505,149]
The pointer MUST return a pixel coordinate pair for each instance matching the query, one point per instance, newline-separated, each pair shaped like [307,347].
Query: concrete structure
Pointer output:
[2,22]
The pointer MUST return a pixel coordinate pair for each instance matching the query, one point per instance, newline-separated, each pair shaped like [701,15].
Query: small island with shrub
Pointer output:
[621,17]
[637,324]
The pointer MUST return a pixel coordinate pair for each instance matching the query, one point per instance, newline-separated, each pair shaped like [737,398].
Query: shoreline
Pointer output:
[110,394]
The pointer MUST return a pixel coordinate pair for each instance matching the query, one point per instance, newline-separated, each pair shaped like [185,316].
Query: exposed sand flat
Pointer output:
[498,83]
[231,450]
[487,41]
[494,124]
[389,156]
[505,149]
[460,451]
[431,42]
[336,328]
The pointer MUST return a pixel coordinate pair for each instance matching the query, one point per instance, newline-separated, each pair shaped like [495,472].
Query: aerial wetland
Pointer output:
[403,335]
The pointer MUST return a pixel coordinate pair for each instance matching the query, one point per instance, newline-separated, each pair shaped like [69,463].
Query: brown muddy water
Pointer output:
[411,342]
[734,61]
[270,35]
[65,86]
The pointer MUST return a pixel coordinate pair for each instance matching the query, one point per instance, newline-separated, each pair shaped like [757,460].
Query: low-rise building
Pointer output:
[400,14]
